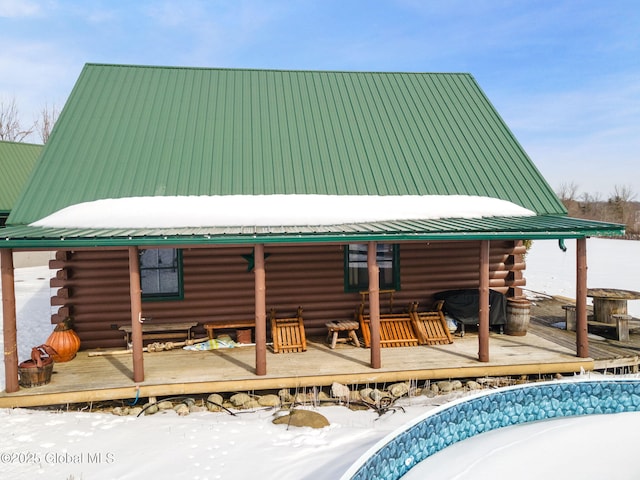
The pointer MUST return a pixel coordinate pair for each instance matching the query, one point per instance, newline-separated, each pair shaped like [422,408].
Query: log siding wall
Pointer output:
[93,285]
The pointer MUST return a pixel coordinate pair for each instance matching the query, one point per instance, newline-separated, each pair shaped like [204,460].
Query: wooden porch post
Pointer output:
[9,329]
[135,290]
[261,310]
[374,303]
[582,338]
[483,313]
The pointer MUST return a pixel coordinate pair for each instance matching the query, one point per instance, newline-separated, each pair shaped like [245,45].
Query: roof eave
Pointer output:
[541,228]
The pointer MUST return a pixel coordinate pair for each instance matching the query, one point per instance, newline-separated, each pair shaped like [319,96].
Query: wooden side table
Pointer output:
[334,329]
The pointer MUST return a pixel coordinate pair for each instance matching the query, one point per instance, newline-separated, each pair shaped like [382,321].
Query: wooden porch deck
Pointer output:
[179,372]
[544,350]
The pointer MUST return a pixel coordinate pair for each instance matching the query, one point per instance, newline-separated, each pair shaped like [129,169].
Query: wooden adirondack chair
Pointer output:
[288,333]
[430,326]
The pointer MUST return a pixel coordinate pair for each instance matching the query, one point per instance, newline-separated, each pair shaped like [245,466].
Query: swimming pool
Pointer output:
[396,454]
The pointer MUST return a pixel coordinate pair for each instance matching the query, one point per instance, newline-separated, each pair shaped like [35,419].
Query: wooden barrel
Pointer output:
[518,314]
[30,375]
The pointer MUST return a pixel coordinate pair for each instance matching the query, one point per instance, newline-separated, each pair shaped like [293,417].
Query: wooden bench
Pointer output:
[621,322]
[334,329]
[239,325]
[621,326]
[157,331]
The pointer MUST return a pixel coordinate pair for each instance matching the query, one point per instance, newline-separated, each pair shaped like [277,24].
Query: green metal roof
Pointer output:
[16,163]
[148,131]
[493,228]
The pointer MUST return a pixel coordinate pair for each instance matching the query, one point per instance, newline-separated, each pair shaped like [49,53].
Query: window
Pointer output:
[161,273]
[357,273]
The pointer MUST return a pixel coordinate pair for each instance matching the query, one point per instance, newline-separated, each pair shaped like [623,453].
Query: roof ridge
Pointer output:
[251,69]
[22,143]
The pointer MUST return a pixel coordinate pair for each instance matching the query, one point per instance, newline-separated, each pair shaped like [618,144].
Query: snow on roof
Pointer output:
[273,210]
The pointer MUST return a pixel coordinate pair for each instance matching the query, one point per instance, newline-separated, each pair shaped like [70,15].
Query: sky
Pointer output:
[564,74]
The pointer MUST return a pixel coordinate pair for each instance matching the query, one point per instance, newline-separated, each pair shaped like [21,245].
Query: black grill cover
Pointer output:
[463,305]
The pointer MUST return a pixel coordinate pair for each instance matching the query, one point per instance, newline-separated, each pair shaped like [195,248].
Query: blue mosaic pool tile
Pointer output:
[493,410]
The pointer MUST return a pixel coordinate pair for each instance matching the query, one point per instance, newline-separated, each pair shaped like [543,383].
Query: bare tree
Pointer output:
[620,205]
[10,128]
[592,206]
[622,193]
[567,192]
[47,119]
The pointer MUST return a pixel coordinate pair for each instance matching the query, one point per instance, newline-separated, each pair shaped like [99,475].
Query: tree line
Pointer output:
[619,207]
[12,129]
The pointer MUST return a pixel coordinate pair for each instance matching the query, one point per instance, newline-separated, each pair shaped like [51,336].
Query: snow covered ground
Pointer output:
[81,445]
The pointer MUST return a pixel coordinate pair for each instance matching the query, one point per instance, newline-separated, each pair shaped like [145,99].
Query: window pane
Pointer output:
[149,258]
[168,281]
[149,280]
[159,272]
[358,274]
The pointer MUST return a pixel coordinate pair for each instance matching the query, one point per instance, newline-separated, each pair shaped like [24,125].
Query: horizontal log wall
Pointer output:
[93,286]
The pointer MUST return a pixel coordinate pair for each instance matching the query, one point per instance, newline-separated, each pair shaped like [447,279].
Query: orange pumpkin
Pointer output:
[65,342]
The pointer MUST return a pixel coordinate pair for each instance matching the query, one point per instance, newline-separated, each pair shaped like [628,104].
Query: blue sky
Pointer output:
[565,75]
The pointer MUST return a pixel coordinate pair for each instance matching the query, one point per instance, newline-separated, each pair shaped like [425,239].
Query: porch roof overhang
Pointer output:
[487,228]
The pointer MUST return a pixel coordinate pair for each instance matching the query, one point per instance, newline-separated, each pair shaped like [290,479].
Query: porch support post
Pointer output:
[261,310]
[374,303]
[9,329]
[483,313]
[135,291]
[582,338]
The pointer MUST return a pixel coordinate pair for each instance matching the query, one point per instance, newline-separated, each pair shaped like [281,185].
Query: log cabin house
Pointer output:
[158,133]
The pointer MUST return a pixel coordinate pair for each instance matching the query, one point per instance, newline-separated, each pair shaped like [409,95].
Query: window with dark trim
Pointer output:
[356,276]
[161,274]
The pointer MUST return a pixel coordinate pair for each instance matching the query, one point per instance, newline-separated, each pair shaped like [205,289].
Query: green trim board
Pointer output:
[492,228]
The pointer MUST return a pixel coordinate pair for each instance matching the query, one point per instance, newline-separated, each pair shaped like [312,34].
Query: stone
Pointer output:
[239,400]
[456,384]
[181,409]
[365,393]
[354,396]
[445,386]
[135,411]
[150,408]
[302,418]
[340,391]
[121,411]
[248,405]
[215,402]
[302,398]
[269,400]
[377,395]
[165,405]
[285,395]
[473,385]
[399,389]
[429,392]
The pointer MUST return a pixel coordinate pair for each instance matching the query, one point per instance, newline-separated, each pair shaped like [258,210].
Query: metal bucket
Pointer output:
[518,314]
